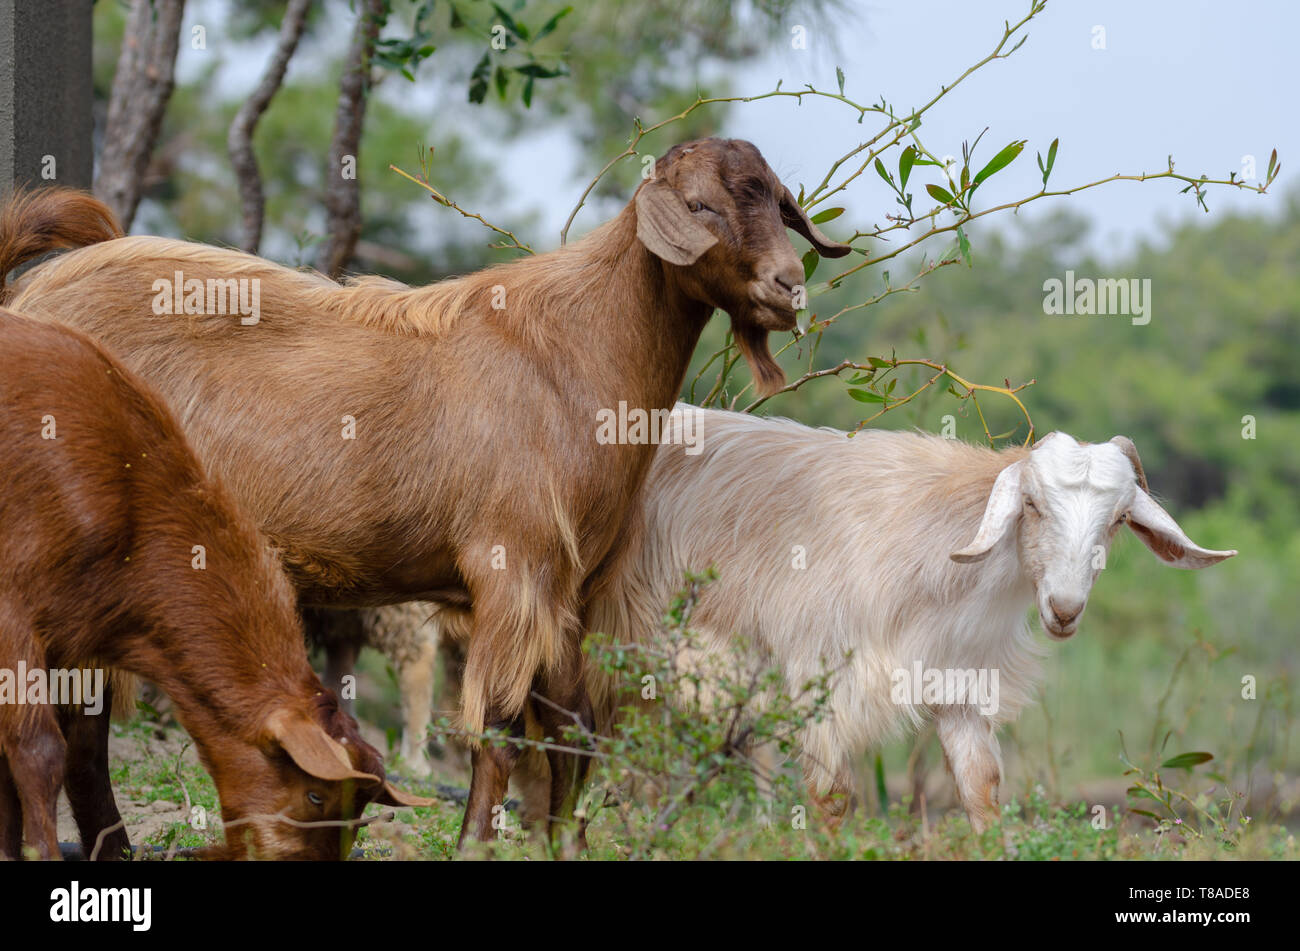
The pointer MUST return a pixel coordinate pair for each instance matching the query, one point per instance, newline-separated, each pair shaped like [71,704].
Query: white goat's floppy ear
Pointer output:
[1161,534]
[666,226]
[999,515]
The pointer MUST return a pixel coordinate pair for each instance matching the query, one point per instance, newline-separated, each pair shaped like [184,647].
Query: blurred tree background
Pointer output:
[1160,651]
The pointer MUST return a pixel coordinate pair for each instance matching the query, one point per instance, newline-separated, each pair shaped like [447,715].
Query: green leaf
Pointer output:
[549,26]
[810,261]
[1139,792]
[1001,161]
[878,363]
[905,162]
[528,92]
[839,77]
[1186,760]
[538,71]
[866,396]
[501,80]
[963,243]
[1046,168]
[830,214]
[478,80]
[509,23]
[1144,812]
[939,194]
[880,170]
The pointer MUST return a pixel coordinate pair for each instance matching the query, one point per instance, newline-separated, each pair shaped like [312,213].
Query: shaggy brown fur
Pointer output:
[102,508]
[474,476]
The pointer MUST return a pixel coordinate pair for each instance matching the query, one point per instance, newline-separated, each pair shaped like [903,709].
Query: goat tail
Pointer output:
[38,221]
[511,645]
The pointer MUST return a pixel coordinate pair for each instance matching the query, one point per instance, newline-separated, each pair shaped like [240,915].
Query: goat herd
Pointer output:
[179,480]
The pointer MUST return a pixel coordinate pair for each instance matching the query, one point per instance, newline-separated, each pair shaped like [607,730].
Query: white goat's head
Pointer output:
[1066,501]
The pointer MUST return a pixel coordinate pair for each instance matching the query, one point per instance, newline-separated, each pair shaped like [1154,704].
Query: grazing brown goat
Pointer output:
[441,442]
[117,551]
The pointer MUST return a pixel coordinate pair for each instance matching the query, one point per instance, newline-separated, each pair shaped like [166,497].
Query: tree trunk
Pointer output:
[342,191]
[141,88]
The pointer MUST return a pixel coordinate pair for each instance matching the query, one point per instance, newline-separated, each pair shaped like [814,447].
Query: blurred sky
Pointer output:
[1209,83]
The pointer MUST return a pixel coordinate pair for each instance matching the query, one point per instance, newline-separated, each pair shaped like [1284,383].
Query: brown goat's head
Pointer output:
[310,767]
[717,214]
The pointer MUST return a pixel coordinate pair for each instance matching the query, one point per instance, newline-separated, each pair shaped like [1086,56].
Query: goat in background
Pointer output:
[919,551]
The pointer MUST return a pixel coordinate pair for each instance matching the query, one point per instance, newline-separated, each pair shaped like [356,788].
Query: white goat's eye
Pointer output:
[315,799]
[1030,506]
[1123,517]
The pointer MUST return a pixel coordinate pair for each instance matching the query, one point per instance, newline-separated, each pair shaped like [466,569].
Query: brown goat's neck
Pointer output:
[632,317]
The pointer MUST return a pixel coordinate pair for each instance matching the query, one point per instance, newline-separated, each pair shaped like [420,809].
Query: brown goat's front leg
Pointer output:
[36,765]
[563,707]
[90,794]
[489,782]
[971,750]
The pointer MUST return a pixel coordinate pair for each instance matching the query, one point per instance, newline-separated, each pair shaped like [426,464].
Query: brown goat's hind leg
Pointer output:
[36,765]
[90,794]
[489,782]
[11,815]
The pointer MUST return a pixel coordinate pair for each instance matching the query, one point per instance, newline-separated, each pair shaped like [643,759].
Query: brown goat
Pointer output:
[104,505]
[441,442]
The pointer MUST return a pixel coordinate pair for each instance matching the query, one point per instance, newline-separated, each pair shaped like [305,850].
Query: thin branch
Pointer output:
[239,141]
[440,198]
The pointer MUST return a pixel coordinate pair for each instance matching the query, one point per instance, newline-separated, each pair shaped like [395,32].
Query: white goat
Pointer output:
[906,549]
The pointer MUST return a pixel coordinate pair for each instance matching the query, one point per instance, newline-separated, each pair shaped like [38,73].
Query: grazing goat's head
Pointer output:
[297,792]
[1066,500]
[717,213]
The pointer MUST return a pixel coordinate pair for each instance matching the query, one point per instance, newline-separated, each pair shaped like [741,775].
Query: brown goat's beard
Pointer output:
[752,340]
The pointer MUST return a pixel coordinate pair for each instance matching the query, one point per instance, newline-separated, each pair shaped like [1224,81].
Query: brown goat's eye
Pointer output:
[698,206]
[315,799]
[1123,517]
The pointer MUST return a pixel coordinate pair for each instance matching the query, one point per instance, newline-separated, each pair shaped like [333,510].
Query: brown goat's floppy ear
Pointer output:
[797,219]
[312,749]
[1166,539]
[666,226]
[390,795]
[999,515]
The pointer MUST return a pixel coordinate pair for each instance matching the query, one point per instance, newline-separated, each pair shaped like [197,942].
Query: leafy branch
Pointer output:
[426,158]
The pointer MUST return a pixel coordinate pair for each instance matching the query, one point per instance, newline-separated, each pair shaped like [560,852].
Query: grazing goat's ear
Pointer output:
[1162,535]
[315,751]
[797,219]
[666,226]
[999,515]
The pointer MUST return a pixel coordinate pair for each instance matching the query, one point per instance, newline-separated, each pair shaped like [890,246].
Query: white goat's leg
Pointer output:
[971,750]
[415,679]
